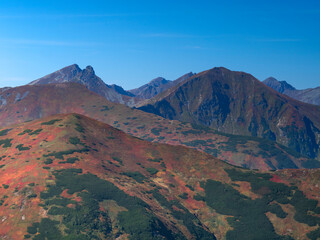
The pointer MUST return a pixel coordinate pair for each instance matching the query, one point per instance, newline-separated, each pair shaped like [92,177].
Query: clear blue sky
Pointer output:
[131,42]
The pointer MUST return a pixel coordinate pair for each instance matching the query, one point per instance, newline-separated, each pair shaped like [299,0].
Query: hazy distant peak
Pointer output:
[156,86]
[279,86]
[158,81]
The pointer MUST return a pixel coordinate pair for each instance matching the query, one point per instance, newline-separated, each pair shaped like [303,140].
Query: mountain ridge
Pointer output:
[33,102]
[88,78]
[237,103]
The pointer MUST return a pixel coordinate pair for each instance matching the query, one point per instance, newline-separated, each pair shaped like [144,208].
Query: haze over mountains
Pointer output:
[309,95]
[80,175]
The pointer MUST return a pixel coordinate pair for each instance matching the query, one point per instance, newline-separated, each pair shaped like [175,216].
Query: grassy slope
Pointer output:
[176,192]
[42,101]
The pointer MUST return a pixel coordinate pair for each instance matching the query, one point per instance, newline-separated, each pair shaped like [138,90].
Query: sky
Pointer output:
[129,43]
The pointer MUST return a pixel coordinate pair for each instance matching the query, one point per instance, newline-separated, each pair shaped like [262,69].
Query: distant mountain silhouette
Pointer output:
[309,95]
[157,86]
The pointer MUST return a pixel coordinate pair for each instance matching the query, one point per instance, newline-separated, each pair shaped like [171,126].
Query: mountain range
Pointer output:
[214,155]
[113,93]
[309,95]
[31,102]
[71,177]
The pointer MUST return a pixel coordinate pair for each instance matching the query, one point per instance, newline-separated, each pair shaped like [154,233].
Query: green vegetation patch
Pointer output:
[86,220]
[20,147]
[155,160]
[183,196]
[118,160]
[71,160]
[152,171]
[79,128]
[25,131]
[35,132]
[6,142]
[51,122]
[74,140]
[139,177]
[48,161]
[60,155]
[156,131]
[4,132]
[249,214]
[105,108]
[179,212]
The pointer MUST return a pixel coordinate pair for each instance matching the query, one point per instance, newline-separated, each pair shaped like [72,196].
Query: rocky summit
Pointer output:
[88,78]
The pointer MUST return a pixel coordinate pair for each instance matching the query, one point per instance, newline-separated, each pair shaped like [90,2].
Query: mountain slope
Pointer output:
[88,78]
[310,95]
[237,103]
[32,102]
[71,177]
[157,86]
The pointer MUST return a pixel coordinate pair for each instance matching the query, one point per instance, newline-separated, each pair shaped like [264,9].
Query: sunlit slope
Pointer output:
[72,177]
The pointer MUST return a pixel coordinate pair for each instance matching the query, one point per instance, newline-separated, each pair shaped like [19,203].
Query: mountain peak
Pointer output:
[89,68]
[70,69]
[280,86]
[87,77]
[158,81]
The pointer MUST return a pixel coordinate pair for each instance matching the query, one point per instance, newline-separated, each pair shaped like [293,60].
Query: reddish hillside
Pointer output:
[71,177]
[32,102]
